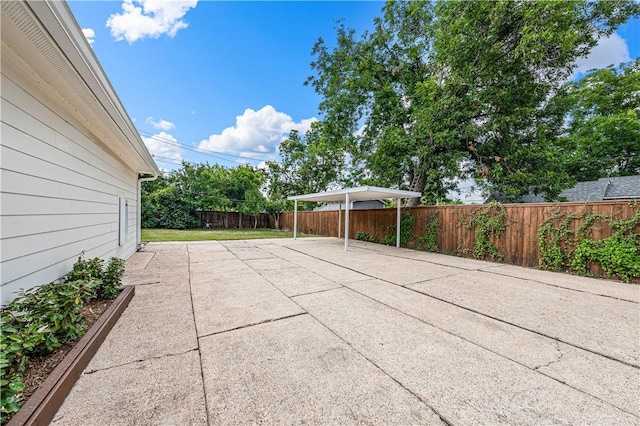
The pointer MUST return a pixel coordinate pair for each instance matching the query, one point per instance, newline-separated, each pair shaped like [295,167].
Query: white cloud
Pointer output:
[256,133]
[160,124]
[89,34]
[157,146]
[609,50]
[149,18]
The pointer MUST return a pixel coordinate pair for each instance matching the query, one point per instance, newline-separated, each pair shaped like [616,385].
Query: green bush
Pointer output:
[39,319]
[106,281]
[363,236]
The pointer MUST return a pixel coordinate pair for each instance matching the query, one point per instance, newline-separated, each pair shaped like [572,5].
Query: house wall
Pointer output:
[59,189]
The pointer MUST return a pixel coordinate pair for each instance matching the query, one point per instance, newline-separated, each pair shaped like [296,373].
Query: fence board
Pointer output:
[233,220]
[519,244]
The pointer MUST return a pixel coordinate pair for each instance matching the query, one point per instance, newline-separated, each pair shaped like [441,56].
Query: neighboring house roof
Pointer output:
[44,42]
[586,191]
[623,187]
[609,188]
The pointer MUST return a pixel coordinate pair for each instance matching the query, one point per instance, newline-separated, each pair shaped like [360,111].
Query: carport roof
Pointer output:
[361,193]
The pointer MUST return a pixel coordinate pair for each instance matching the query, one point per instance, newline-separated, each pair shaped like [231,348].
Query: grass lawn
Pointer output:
[151,235]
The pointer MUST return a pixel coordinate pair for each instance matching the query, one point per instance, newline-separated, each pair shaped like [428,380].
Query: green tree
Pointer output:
[603,137]
[175,200]
[253,205]
[243,189]
[308,164]
[275,208]
[449,89]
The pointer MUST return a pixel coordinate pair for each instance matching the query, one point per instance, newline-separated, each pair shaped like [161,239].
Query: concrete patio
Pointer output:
[292,332]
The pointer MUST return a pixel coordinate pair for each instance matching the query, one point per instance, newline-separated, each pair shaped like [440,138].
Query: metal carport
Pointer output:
[361,193]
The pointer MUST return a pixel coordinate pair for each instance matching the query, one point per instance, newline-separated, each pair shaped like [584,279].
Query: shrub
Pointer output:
[363,236]
[40,318]
[106,281]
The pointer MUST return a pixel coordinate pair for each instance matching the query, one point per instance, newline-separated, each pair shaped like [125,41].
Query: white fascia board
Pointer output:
[361,193]
[62,27]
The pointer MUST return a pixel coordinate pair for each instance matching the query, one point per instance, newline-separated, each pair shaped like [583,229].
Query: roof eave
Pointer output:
[62,27]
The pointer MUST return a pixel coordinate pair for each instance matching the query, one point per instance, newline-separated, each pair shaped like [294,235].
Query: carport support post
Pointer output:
[346,221]
[339,217]
[398,226]
[295,218]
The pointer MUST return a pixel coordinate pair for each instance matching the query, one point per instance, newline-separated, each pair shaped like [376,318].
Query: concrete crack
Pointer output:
[137,361]
[253,324]
[558,358]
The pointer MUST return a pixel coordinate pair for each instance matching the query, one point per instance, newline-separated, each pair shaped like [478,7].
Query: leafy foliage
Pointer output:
[565,247]
[487,223]
[603,138]
[174,201]
[309,163]
[407,223]
[429,241]
[619,254]
[363,236]
[450,89]
[39,319]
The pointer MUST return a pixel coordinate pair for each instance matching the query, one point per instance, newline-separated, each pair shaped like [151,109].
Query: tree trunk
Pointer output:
[418,183]
[239,220]
[255,222]
[276,220]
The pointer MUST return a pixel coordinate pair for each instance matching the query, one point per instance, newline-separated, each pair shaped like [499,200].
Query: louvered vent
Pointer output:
[18,12]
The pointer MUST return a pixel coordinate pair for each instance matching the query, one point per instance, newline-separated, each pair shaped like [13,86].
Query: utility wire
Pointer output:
[202,151]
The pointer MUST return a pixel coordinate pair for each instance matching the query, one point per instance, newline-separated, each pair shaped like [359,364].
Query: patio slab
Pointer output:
[611,381]
[296,281]
[295,371]
[465,383]
[225,302]
[157,391]
[337,338]
[600,287]
[599,324]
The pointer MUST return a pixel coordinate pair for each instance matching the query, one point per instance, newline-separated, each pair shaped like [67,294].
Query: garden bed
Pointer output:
[49,378]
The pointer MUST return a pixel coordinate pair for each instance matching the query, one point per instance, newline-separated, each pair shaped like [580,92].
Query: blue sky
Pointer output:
[228,76]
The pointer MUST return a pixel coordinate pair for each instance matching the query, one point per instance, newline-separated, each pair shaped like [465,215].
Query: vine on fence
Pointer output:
[429,241]
[565,248]
[487,222]
[407,223]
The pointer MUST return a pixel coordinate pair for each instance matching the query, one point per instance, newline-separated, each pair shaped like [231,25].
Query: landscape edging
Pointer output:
[43,405]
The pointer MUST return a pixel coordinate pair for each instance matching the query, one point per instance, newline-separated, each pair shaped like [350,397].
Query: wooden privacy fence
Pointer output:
[518,244]
[232,220]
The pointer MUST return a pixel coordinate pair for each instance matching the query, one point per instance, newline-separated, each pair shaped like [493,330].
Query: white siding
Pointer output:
[59,191]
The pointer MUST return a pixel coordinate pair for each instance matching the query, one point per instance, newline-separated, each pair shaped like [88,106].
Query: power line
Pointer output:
[202,151]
